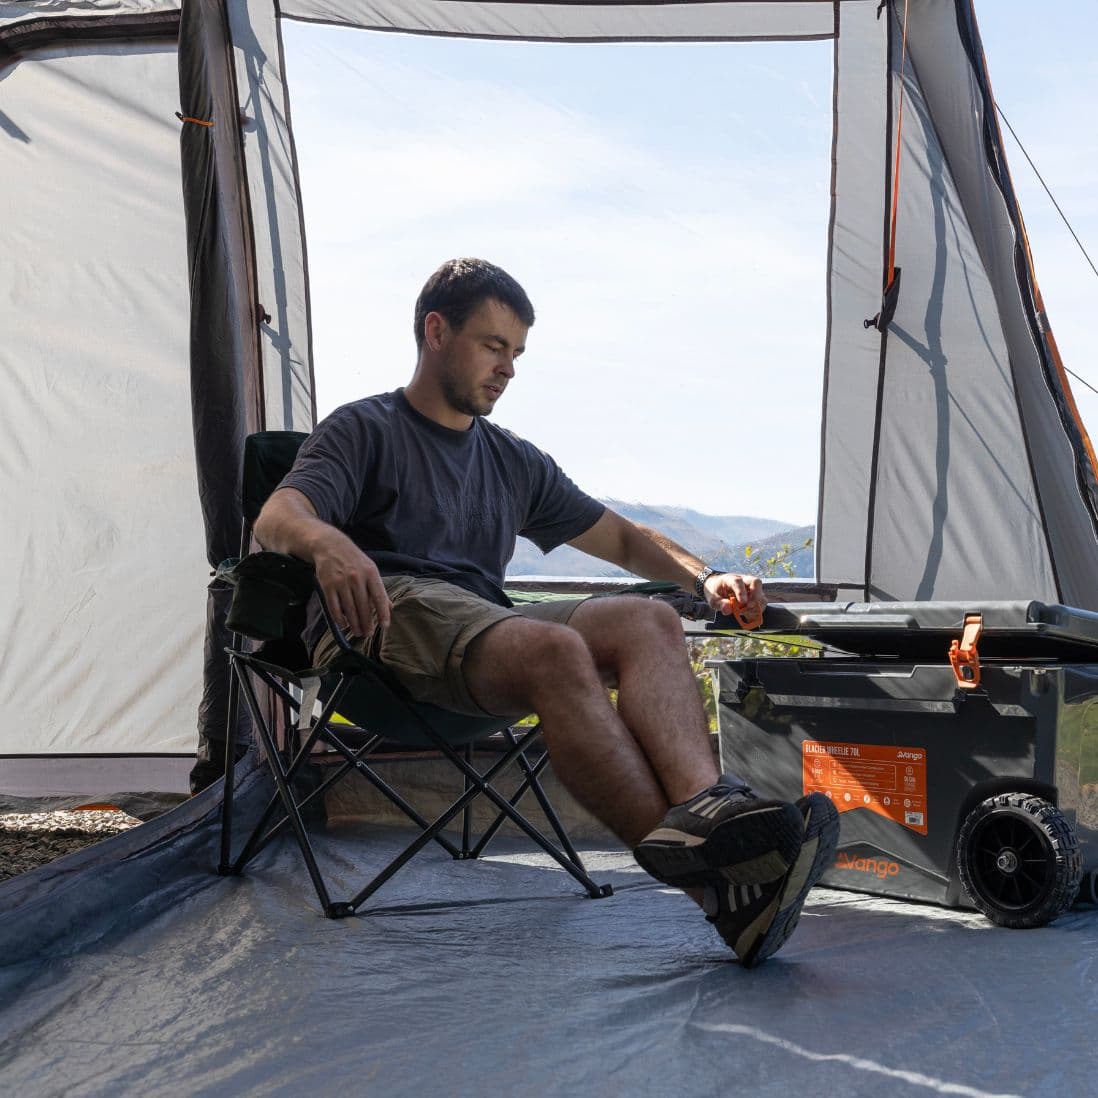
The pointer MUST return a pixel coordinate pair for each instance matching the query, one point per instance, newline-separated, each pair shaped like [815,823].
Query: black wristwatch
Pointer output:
[700,578]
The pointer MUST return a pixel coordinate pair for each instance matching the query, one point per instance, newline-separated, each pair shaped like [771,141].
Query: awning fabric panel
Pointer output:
[103,547]
[577,22]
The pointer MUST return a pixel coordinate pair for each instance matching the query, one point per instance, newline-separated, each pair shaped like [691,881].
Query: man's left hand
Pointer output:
[733,594]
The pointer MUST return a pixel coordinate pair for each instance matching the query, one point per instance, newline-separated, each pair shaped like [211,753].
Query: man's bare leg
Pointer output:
[720,828]
[638,644]
[627,774]
[520,666]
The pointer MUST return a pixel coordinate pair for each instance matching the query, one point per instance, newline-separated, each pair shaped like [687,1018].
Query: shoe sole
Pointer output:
[754,847]
[821,840]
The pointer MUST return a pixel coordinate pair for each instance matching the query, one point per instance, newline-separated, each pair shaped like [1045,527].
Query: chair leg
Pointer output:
[574,867]
[354,759]
[286,795]
[284,765]
[358,760]
[255,842]
[467,811]
[414,847]
[223,865]
[532,779]
[531,772]
[479,784]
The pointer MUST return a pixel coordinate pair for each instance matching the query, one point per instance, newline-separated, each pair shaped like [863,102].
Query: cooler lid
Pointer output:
[925,630]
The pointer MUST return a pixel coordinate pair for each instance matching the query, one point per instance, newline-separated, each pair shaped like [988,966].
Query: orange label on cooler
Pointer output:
[890,781]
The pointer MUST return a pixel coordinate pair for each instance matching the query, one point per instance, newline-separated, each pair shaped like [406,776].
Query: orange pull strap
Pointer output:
[196,121]
[963,655]
[896,168]
[891,292]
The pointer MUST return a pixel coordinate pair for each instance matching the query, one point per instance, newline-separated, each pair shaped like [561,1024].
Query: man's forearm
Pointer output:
[655,556]
[289,524]
[648,553]
[639,549]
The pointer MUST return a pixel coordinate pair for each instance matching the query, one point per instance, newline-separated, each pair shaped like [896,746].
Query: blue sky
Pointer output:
[666,208]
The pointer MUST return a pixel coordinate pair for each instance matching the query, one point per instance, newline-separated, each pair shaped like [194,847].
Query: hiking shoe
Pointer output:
[725,833]
[757,920]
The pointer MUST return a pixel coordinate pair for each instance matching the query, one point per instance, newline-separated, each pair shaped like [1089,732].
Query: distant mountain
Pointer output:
[718,539]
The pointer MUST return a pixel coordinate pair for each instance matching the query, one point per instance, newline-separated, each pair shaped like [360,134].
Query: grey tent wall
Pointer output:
[19,38]
[967,491]
[860,169]
[274,195]
[954,488]
[85,523]
[1057,439]
[226,389]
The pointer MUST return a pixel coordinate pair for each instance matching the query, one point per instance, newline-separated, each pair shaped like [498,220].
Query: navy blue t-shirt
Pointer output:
[421,499]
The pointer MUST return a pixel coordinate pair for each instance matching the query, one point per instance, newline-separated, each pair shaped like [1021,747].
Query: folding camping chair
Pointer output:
[269,599]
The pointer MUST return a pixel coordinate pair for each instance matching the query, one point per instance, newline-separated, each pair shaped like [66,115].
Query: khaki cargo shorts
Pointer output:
[432,624]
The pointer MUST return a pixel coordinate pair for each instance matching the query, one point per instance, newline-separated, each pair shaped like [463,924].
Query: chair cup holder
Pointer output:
[265,585]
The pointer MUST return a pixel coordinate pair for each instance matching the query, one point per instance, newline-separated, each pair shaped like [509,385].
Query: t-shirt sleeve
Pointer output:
[330,465]
[559,511]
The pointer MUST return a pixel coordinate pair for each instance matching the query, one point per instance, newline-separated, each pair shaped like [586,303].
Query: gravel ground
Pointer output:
[31,839]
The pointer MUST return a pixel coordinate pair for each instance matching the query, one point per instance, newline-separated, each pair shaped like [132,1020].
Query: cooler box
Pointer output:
[958,742]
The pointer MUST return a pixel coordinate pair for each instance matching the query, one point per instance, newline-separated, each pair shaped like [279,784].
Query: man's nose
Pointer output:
[506,367]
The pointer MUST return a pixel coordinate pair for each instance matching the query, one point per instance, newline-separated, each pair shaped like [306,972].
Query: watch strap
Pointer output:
[700,578]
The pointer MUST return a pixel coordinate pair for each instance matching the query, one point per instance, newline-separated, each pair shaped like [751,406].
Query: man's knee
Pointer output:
[519,662]
[626,622]
[557,654]
[664,619]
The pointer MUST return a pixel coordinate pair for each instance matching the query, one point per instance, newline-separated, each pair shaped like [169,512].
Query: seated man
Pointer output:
[408,505]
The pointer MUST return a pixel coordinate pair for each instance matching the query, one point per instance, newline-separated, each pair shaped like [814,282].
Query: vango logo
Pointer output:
[880,868]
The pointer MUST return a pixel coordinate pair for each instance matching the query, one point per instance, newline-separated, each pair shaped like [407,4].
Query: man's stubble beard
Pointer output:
[457,399]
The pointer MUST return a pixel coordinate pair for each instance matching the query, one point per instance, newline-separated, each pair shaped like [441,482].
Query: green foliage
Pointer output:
[704,647]
[777,564]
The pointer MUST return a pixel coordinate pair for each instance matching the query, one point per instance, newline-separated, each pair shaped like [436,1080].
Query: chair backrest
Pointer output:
[268,457]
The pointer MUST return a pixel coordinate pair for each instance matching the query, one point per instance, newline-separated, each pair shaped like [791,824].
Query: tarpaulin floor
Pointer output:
[501,977]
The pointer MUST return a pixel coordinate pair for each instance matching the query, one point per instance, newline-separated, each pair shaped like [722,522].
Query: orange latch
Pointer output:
[748,618]
[963,655]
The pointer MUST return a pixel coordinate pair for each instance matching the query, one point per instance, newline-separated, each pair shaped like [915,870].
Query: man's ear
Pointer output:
[435,329]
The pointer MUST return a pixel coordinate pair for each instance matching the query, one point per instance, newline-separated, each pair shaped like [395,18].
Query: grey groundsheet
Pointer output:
[500,976]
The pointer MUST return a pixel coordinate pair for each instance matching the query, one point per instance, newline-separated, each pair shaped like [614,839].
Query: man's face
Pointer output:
[476,363]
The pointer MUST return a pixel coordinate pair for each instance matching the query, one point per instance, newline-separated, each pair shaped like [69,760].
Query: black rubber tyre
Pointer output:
[1018,858]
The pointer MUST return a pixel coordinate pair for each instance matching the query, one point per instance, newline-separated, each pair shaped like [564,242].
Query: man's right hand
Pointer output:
[288,523]
[351,584]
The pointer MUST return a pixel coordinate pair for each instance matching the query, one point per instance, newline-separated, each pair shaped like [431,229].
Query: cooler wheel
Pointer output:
[1018,858]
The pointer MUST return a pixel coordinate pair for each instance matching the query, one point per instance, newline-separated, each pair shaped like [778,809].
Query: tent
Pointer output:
[156,298]
[153,325]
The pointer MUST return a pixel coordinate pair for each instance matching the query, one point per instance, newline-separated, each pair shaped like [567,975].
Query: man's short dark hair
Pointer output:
[460,286]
